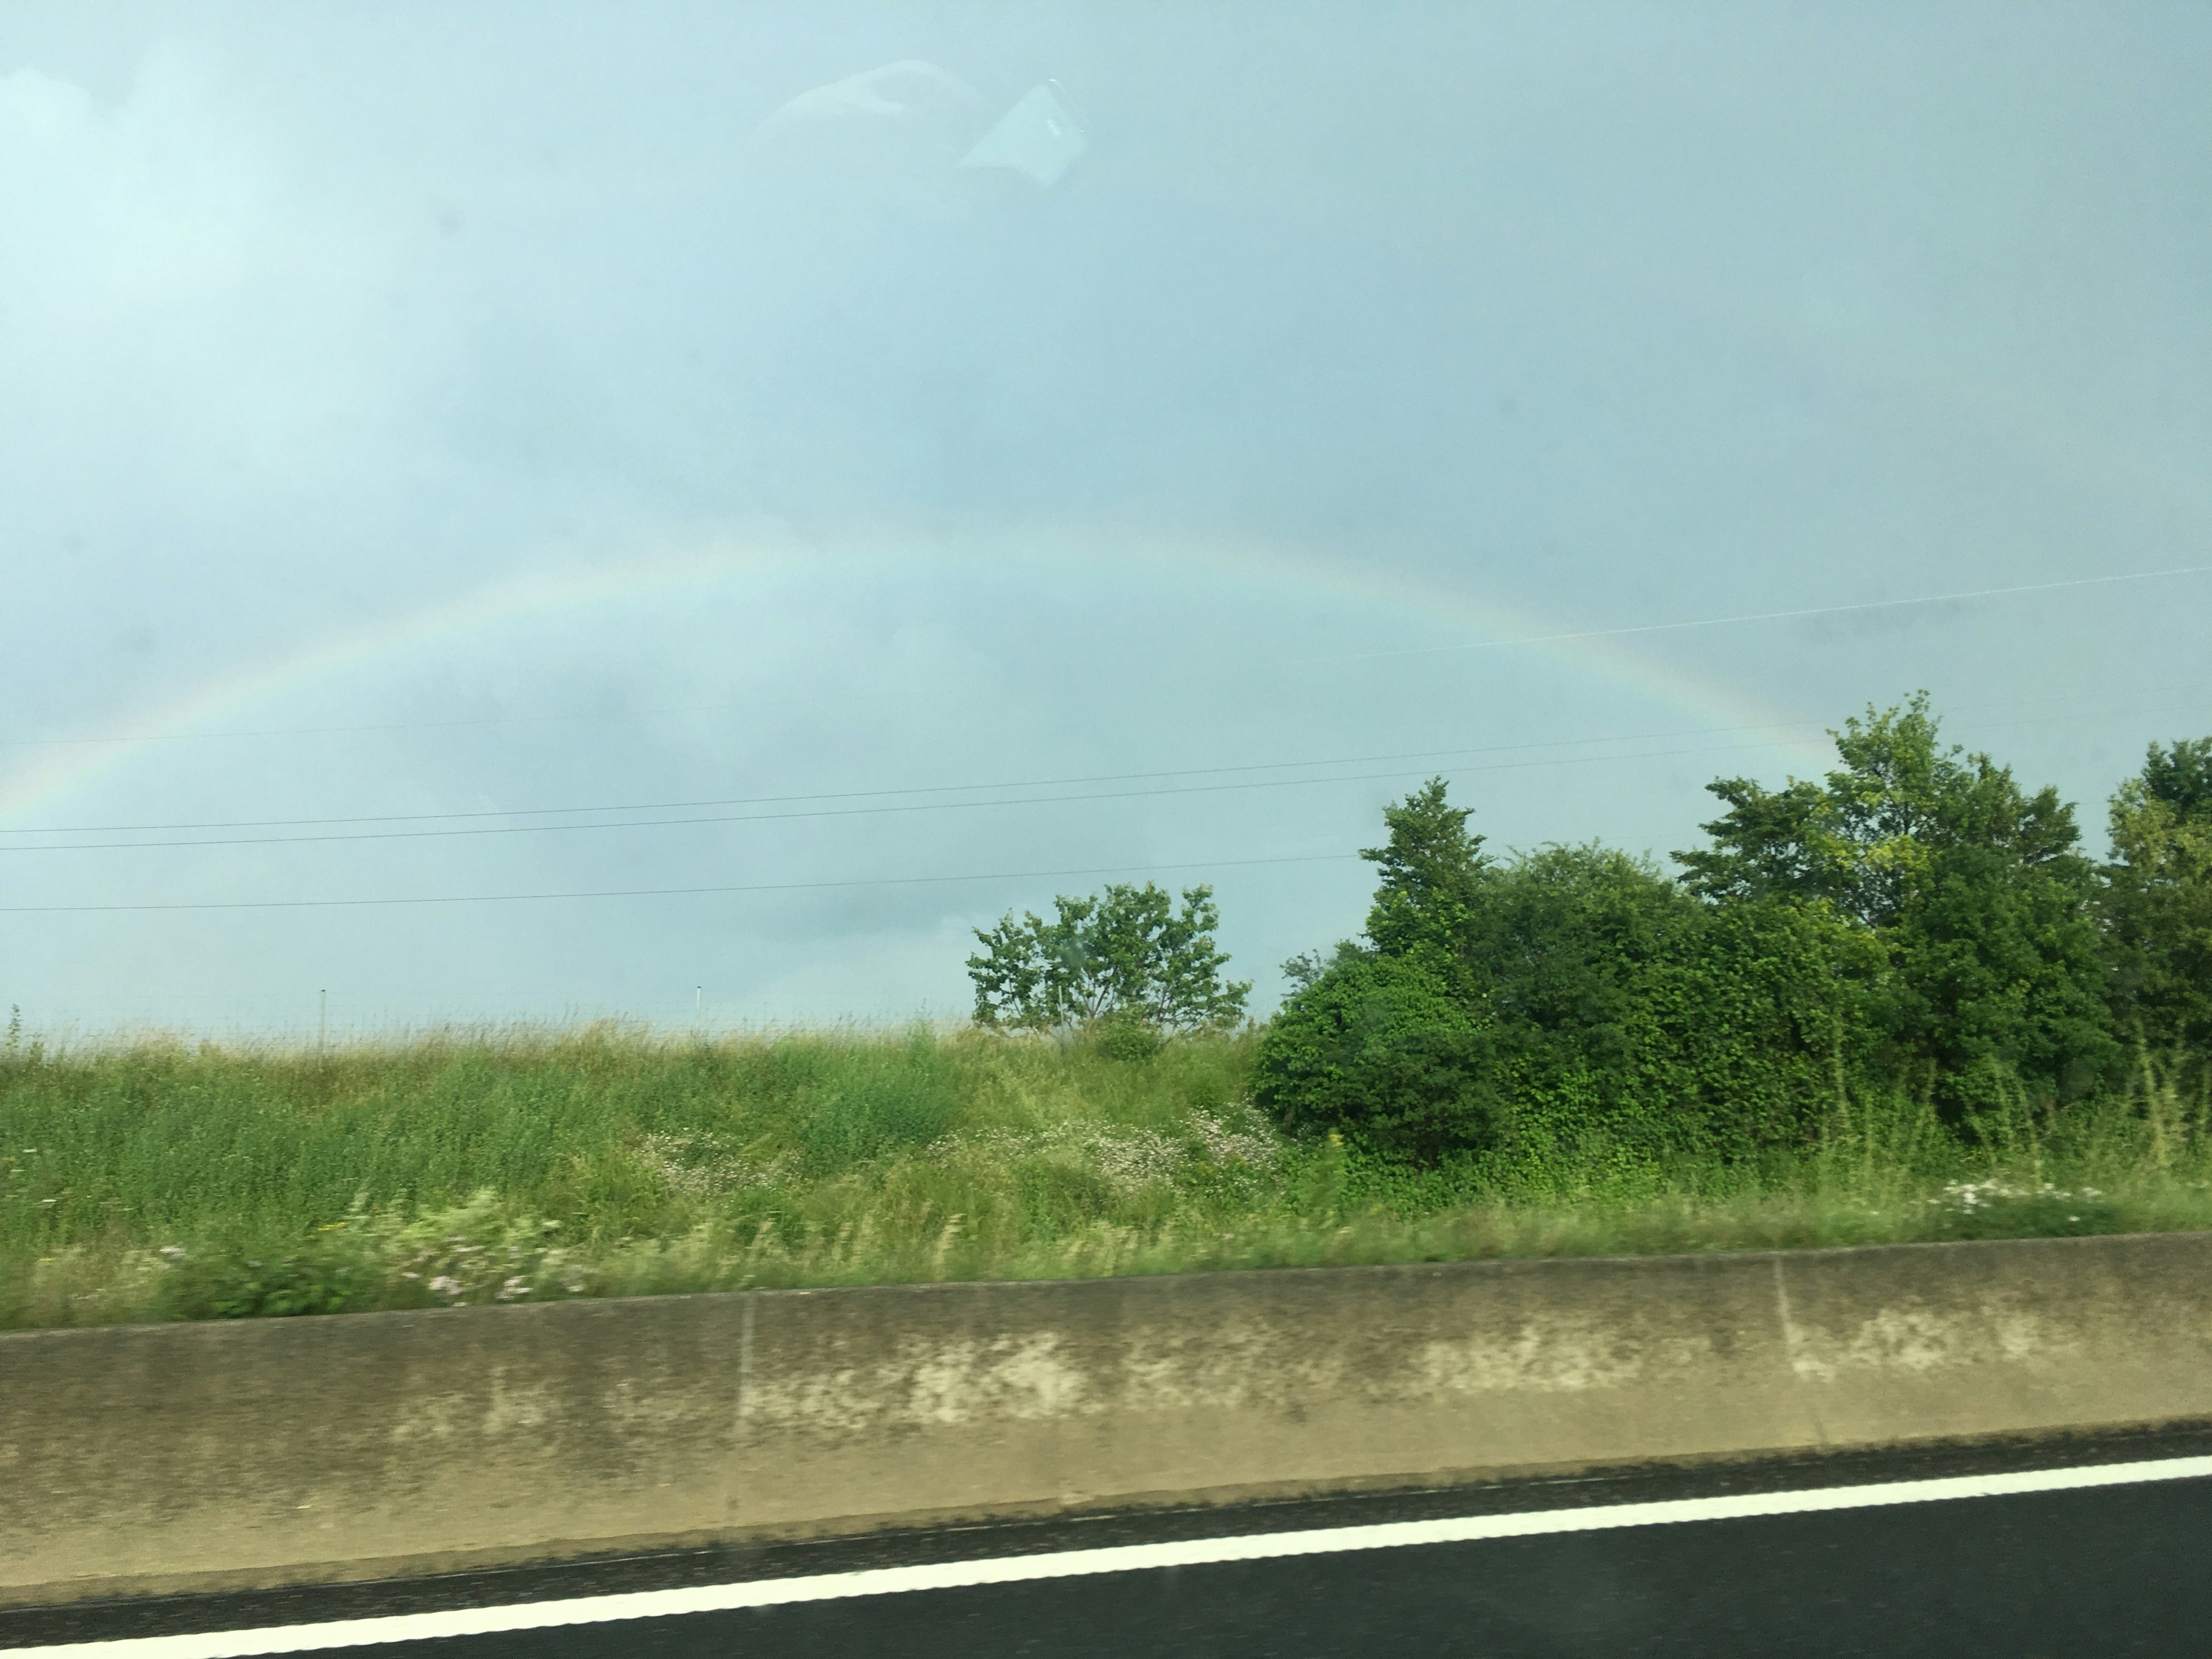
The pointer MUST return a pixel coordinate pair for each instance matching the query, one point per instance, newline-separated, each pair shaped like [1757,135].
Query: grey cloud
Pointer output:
[1338,322]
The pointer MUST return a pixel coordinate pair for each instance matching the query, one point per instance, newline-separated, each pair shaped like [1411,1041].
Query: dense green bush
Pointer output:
[1565,945]
[1915,924]
[1590,999]
[1390,1042]
[1990,976]
[1763,1015]
[1389,1049]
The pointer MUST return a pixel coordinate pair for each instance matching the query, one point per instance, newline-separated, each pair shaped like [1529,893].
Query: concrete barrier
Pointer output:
[155,1457]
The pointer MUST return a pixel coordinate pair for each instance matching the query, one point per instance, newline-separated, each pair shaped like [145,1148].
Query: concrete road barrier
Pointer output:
[139,1459]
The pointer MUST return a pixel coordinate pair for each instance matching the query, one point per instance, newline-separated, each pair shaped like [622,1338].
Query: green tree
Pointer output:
[1388,1050]
[1624,1011]
[1754,1029]
[1563,939]
[1127,956]
[2157,899]
[1990,973]
[1432,872]
[1577,999]
[1389,1041]
[1564,945]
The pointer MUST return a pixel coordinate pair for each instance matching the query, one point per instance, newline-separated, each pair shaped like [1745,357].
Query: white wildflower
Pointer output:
[1971,1195]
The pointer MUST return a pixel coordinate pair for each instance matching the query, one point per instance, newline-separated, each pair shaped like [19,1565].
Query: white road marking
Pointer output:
[1126,1557]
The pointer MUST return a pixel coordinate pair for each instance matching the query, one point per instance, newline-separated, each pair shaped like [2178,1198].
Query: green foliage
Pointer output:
[2157,901]
[1566,1003]
[1564,945]
[1127,956]
[1885,1005]
[1121,1037]
[1564,941]
[1431,879]
[316,1282]
[1386,1047]
[2180,777]
[1388,1043]
[1915,922]
[1761,1010]
[1308,966]
[199,1182]
[1990,975]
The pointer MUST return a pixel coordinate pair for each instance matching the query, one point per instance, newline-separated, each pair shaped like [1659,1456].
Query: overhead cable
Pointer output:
[668,892]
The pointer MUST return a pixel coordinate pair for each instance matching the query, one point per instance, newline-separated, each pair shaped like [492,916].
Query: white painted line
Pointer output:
[1126,1557]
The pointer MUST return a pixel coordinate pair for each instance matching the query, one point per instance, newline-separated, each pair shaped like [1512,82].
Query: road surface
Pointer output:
[2089,1547]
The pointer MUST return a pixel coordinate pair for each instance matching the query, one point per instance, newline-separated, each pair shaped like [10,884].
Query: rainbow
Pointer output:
[55,772]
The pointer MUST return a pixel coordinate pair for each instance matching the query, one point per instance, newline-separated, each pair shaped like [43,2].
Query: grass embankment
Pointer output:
[156,1180]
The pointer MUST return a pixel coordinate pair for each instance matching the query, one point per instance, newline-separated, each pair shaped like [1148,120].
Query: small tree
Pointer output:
[2157,899]
[1390,1041]
[1125,955]
[1432,871]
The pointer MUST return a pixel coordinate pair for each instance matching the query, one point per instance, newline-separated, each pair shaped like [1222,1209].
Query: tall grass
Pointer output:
[154,1180]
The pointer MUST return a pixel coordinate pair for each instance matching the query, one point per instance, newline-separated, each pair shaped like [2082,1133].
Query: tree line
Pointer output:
[1917,923]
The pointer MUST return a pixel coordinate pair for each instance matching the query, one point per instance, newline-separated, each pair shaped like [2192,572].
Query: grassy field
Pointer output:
[157,1180]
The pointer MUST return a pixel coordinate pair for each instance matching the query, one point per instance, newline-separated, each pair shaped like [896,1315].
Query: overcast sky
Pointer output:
[444,418]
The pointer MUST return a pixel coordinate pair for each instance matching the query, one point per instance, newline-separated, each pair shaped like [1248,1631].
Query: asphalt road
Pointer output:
[1667,1562]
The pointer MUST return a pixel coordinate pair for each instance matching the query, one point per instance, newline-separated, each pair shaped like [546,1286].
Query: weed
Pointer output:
[153,1182]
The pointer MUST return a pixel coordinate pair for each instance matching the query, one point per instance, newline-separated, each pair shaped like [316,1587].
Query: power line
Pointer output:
[1024,783]
[477,830]
[775,887]
[472,830]
[672,892]
[1767,616]
[915,789]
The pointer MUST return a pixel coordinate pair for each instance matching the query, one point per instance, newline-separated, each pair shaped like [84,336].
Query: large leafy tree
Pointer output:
[1989,971]
[2158,899]
[1127,954]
